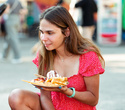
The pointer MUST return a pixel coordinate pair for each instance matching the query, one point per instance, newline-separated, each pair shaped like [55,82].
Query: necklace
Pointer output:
[61,58]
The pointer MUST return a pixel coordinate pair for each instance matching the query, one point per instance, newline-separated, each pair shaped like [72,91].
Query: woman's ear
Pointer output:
[67,32]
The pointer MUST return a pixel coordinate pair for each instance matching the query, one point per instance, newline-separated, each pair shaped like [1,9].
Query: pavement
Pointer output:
[112,90]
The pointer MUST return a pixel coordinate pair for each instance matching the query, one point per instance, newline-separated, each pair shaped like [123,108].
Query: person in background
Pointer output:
[76,13]
[89,12]
[12,25]
[59,2]
[64,50]
[3,7]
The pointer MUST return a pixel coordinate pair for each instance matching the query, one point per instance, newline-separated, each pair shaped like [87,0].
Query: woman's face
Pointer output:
[51,35]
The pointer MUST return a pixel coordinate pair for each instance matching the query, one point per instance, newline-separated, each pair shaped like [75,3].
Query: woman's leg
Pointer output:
[24,100]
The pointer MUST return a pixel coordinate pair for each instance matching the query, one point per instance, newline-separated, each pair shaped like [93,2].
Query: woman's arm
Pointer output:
[91,95]
[45,99]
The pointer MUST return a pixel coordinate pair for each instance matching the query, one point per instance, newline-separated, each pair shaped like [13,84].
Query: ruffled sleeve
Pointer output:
[90,64]
[35,60]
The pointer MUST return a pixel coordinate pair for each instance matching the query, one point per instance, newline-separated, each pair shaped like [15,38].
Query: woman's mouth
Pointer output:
[47,45]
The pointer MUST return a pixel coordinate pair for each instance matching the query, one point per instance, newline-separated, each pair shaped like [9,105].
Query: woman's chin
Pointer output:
[49,49]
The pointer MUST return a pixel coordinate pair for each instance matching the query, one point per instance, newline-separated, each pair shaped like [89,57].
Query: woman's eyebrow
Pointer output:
[46,31]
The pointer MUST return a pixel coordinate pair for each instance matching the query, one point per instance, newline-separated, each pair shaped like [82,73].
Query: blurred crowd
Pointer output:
[23,17]
[29,18]
[25,14]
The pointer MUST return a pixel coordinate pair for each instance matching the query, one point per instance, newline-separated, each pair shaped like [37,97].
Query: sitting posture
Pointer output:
[65,51]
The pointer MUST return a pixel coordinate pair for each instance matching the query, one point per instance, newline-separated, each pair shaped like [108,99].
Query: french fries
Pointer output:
[50,82]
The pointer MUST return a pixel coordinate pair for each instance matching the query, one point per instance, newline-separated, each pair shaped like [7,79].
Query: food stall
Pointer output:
[109,22]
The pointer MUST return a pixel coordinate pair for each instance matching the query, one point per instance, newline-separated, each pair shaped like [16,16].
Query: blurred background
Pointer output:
[109,36]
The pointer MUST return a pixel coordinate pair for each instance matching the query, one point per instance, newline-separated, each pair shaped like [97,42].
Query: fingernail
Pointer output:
[41,88]
[60,87]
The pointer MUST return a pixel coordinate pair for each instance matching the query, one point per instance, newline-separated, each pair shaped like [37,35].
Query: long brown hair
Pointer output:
[75,43]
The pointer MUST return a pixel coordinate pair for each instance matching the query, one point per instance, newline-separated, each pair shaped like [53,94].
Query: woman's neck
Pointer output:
[63,55]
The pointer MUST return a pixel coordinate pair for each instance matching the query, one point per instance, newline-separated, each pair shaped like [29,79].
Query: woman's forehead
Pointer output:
[46,25]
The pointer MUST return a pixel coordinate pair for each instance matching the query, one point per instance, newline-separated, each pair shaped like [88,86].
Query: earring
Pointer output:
[66,39]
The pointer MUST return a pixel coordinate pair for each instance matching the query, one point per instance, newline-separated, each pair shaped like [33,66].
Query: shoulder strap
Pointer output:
[13,6]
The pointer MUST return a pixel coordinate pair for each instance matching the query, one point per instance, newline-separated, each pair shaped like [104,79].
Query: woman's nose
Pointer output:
[43,37]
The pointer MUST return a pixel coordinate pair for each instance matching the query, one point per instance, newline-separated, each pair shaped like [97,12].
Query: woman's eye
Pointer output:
[49,33]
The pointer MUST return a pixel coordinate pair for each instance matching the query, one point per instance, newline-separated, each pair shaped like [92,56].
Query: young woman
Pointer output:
[64,50]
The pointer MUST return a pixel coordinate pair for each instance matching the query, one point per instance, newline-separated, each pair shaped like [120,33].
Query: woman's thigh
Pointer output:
[24,100]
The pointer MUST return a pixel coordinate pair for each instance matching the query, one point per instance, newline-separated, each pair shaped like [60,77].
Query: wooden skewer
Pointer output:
[27,81]
[40,76]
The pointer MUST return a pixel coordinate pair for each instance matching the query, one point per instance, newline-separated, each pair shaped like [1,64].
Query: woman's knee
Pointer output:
[16,97]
